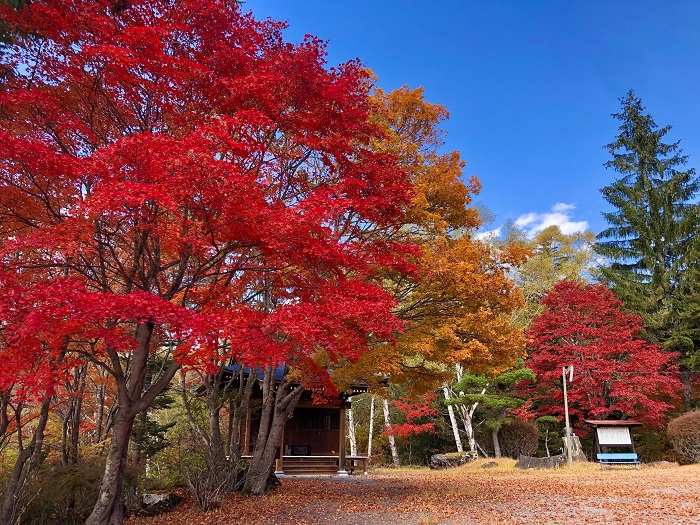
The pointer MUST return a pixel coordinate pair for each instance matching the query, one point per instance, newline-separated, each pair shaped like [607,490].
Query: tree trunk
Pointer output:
[392,441]
[467,415]
[371,428]
[453,420]
[496,444]
[240,410]
[688,399]
[278,406]
[351,431]
[216,441]
[27,460]
[109,508]
[546,442]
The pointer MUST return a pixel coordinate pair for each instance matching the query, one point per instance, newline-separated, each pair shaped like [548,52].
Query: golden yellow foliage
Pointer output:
[459,310]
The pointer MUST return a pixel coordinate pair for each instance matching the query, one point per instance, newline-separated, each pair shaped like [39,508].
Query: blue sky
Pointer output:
[530,85]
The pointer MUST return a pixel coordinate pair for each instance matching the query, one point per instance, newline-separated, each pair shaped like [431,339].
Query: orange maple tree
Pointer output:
[458,308]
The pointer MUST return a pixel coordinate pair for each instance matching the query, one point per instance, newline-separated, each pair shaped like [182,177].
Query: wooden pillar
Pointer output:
[279,468]
[246,434]
[341,443]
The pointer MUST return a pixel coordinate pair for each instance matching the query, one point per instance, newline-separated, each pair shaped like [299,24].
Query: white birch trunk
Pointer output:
[392,441]
[466,413]
[351,431]
[453,420]
[371,428]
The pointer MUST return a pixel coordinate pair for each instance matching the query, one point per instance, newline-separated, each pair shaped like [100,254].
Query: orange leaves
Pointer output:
[413,135]
[468,494]
[458,302]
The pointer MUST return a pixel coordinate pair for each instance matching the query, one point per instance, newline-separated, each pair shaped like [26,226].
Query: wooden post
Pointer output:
[341,443]
[246,434]
[279,468]
[569,452]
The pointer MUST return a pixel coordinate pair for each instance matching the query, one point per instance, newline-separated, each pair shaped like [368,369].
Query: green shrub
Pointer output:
[684,434]
[518,437]
[60,494]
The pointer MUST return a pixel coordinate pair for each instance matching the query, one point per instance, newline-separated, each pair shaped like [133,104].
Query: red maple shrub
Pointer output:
[420,416]
[617,374]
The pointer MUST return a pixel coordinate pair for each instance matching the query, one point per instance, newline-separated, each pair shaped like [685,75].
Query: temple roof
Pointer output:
[612,423]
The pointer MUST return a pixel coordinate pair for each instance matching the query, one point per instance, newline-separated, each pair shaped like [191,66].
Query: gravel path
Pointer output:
[468,495]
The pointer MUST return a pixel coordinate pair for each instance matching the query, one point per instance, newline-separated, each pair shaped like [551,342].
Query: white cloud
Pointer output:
[489,234]
[561,215]
[561,207]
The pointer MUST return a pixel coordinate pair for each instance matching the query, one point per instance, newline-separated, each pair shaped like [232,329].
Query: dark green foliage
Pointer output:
[518,437]
[498,395]
[685,309]
[651,240]
[148,434]
[549,428]
[651,232]
[653,445]
[65,494]
[494,397]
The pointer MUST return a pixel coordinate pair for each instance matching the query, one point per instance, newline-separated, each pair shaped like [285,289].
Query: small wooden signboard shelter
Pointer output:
[614,442]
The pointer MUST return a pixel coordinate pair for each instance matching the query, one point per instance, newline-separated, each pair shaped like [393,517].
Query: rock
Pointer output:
[490,464]
[438,461]
[154,504]
[527,462]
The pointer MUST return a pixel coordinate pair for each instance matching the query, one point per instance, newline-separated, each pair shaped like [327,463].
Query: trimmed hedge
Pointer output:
[684,433]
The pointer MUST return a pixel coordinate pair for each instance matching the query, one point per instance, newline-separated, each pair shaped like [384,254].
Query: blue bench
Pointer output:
[618,458]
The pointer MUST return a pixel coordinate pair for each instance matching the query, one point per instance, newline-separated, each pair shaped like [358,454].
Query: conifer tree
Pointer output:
[651,230]
[494,397]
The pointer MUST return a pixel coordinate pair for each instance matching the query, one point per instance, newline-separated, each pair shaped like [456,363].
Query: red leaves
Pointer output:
[617,373]
[181,165]
[416,413]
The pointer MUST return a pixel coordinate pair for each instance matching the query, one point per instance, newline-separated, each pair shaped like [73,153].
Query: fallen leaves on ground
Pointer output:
[465,495]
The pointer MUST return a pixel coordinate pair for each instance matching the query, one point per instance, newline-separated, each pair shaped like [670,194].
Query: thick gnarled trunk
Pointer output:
[109,508]
[278,405]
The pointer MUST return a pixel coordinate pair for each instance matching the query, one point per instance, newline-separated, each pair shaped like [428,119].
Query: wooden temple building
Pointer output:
[314,439]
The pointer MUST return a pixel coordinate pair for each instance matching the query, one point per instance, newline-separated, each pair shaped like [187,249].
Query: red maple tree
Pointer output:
[420,416]
[617,374]
[174,173]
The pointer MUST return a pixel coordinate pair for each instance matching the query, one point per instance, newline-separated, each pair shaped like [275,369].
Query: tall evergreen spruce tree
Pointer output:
[651,235]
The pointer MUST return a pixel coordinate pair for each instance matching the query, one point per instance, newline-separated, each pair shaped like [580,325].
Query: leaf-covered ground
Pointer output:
[469,495]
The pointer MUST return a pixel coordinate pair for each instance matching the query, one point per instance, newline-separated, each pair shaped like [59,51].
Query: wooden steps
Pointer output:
[310,466]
